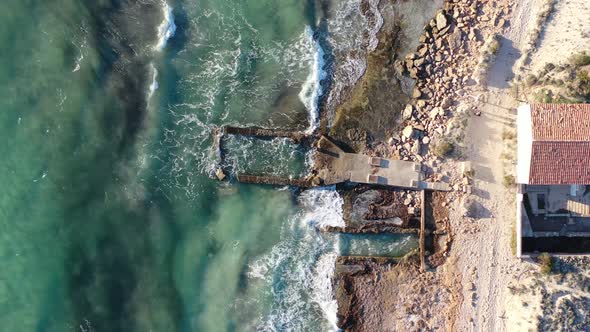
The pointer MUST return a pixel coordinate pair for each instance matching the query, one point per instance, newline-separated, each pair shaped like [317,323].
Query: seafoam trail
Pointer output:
[311,90]
[167,28]
[305,259]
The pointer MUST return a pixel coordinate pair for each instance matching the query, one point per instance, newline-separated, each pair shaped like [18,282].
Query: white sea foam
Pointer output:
[352,34]
[82,49]
[375,26]
[321,283]
[299,269]
[154,84]
[167,28]
[78,62]
[323,207]
[311,90]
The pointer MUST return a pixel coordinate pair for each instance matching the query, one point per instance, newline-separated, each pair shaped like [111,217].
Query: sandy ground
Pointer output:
[567,32]
[482,245]
[484,255]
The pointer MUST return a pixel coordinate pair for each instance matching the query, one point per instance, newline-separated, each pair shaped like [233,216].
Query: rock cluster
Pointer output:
[443,67]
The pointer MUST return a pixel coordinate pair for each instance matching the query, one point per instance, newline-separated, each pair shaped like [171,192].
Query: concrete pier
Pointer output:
[332,165]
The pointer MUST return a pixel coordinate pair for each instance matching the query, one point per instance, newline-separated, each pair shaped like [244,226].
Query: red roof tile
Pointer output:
[561,122]
[555,162]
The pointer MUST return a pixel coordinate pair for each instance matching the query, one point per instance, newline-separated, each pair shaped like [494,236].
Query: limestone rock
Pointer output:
[417,93]
[408,132]
[407,113]
[441,20]
[220,174]
[416,147]
[434,113]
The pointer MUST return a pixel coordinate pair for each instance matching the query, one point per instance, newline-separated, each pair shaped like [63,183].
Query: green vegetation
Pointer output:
[470,173]
[508,135]
[580,87]
[443,148]
[580,59]
[546,263]
[488,57]
[530,80]
[513,240]
[508,181]
[565,83]
[494,46]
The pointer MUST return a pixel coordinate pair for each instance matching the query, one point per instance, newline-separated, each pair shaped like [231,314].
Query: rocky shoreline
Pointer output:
[428,128]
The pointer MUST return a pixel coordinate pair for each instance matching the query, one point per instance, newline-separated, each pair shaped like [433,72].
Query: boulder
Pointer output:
[422,51]
[408,132]
[220,174]
[407,113]
[400,67]
[441,20]
[416,147]
[444,31]
[434,113]
[417,94]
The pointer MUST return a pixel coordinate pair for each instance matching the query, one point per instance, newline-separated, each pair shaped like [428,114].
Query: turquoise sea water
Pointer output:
[109,220]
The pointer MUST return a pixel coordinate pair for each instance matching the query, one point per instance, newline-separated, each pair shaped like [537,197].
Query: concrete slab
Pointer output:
[336,166]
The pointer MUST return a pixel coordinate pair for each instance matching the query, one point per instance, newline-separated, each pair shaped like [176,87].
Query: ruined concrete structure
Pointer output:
[332,165]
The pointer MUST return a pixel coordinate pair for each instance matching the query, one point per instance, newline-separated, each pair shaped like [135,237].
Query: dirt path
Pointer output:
[484,251]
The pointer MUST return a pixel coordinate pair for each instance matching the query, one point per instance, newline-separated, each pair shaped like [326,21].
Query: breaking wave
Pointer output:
[167,28]
[311,90]
[305,261]
[353,34]
[323,207]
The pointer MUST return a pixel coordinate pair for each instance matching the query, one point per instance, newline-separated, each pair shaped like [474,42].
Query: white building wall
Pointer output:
[525,143]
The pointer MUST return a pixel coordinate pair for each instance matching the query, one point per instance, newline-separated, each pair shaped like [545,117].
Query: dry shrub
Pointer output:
[546,263]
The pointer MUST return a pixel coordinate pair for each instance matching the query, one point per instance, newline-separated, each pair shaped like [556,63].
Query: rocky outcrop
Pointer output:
[443,66]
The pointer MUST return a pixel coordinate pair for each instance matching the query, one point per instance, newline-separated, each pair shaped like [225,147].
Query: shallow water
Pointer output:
[109,219]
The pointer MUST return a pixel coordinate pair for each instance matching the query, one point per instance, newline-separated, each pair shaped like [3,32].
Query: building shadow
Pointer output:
[501,72]
[477,210]
[480,193]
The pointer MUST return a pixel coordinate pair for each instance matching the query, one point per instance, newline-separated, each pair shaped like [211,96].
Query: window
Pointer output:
[541,201]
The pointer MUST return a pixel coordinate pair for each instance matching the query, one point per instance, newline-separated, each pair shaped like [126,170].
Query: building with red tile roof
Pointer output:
[553,177]
[554,144]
